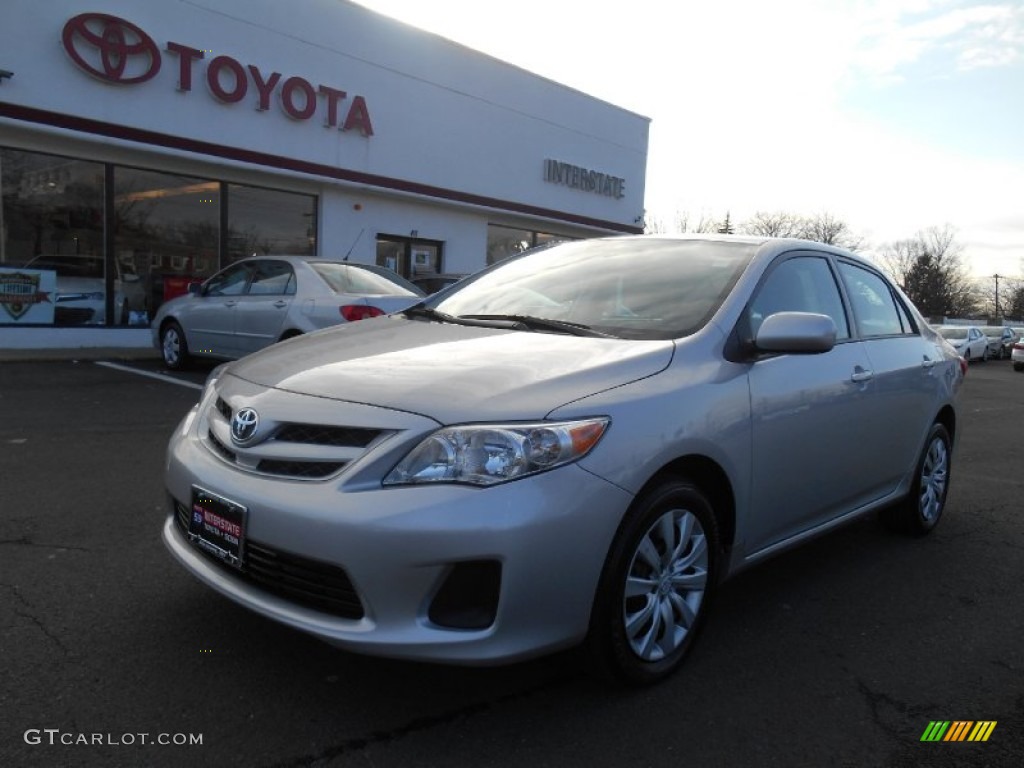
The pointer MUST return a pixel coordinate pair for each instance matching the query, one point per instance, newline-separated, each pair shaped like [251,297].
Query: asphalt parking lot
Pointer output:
[838,654]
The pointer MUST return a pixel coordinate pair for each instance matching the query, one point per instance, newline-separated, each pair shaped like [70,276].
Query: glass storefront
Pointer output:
[58,268]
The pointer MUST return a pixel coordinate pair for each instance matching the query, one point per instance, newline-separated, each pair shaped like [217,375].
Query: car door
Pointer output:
[904,376]
[209,319]
[261,312]
[809,439]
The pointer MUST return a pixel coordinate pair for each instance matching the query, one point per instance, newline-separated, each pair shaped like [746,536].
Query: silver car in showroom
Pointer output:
[260,300]
[574,446]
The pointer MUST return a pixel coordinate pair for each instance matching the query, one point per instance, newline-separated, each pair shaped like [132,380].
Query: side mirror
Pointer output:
[195,289]
[800,333]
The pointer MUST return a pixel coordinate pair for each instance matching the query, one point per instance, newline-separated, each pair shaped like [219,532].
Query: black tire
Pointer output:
[174,346]
[1018,366]
[674,524]
[921,510]
[984,355]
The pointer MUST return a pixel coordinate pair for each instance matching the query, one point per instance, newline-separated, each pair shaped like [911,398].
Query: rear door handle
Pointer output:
[280,304]
[928,363]
[861,375]
[230,303]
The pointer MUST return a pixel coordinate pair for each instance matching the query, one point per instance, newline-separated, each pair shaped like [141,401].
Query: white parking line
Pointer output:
[158,376]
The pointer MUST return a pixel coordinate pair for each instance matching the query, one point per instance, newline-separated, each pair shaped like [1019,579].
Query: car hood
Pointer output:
[451,373]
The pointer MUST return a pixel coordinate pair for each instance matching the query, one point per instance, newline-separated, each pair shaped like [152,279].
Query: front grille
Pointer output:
[310,470]
[302,580]
[224,409]
[319,434]
[220,448]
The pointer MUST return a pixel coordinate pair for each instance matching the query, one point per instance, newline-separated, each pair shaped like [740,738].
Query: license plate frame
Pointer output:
[217,526]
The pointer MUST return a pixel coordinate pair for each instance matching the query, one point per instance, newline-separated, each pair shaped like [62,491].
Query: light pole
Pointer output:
[998,316]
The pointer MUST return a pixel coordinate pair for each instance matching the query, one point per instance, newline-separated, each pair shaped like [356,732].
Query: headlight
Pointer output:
[485,454]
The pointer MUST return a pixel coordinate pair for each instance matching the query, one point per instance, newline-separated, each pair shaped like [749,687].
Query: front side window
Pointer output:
[800,284]
[229,282]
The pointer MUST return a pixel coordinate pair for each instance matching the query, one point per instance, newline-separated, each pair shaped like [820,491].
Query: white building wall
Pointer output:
[446,119]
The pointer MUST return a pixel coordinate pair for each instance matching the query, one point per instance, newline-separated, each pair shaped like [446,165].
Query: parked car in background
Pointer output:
[575,446]
[967,340]
[263,299]
[1017,355]
[433,282]
[1000,340]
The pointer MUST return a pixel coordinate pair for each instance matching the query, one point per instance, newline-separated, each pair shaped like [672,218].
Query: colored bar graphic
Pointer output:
[982,730]
[958,730]
[935,731]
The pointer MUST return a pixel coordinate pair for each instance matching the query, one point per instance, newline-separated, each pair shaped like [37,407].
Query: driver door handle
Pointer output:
[861,375]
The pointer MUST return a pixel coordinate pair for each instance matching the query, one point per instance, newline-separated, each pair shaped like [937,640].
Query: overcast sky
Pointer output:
[893,115]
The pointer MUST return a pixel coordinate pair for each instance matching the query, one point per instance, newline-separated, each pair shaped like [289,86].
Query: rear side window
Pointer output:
[272,278]
[875,308]
[800,284]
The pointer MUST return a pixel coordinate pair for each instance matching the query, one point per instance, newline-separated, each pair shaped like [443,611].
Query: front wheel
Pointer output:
[920,512]
[173,346]
[656,585]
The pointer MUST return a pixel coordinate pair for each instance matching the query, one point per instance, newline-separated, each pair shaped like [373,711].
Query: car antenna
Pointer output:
[354,244]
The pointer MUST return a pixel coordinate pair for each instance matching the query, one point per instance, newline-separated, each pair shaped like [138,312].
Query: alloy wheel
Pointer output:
[665,585]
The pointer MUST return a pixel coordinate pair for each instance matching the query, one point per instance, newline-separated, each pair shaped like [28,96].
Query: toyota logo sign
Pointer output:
[111,49]
[244,425]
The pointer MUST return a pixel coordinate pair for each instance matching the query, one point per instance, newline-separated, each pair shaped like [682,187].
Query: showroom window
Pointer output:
[166,233]
[56,267]
[269,222]
[503,242]
[51,240]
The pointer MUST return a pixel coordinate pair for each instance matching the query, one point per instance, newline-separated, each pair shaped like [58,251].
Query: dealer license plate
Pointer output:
[218,526]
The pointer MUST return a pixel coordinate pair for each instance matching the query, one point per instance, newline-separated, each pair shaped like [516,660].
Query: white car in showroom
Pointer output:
[263,299]
[574,446]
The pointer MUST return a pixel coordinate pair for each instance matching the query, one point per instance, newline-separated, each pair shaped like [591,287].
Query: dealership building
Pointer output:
[145,146]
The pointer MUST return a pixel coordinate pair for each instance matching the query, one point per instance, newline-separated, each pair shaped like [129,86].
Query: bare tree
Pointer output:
[929,268]
[826,228]
[773,224]
[1014,306]
[821,228]
[704,224]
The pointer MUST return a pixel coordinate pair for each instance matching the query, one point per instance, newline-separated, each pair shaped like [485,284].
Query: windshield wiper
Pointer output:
[429,313]
[529,322]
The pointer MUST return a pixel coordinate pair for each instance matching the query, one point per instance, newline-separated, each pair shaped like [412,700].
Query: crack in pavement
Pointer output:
[358,744]
[25,541]
[28,613]
[877,699]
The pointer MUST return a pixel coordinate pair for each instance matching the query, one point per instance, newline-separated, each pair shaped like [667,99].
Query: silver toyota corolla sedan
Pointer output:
[257,301]
[573,446]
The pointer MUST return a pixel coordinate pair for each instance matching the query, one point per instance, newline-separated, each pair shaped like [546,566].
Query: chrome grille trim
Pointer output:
[290,450]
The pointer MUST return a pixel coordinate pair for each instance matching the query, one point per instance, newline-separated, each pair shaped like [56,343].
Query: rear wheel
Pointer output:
[920,512]
[173,346]
[656,585]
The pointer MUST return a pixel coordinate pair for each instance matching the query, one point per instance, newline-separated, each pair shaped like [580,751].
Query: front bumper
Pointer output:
[549,534]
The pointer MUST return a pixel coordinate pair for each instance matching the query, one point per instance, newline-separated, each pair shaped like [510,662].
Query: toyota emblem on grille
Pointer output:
[244,425]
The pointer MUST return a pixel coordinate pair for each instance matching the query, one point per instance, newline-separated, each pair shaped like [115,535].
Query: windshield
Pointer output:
[363,280]
[634,288]
[953,333]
